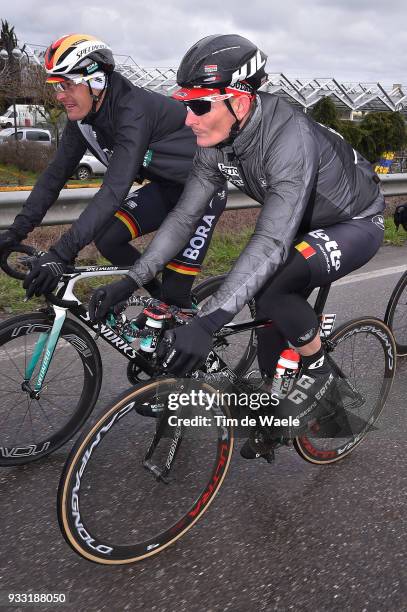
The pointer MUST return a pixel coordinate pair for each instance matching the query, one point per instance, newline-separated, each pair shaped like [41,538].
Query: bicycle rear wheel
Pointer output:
[365,353]
[238,351]
[33,428]
[396,315]
[117,501]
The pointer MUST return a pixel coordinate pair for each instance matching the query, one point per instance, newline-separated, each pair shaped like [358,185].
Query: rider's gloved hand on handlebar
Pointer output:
[189,347]
[8,239]
[104,298]
[45,274]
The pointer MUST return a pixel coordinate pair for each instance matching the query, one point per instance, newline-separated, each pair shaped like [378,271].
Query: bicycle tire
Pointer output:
[102,478]
[378,339]
[42,426]
[238,358]
[397,321]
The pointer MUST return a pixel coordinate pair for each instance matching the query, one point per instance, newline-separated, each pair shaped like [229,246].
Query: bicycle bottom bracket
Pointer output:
[135,374]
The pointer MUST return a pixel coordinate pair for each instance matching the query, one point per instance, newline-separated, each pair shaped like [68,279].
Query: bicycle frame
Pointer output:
[47,341]
[45,346]
[215,365]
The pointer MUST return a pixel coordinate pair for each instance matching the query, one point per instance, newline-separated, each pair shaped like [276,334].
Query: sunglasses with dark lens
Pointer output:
[199,107]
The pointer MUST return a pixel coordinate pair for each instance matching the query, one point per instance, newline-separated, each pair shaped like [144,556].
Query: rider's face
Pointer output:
[213,127]
[77,100]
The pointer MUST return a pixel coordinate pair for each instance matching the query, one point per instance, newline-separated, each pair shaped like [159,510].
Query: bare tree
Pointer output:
[24,81]
[9,65]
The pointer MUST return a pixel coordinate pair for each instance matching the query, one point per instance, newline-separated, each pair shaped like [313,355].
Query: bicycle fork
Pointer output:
[162,473]
[44,347]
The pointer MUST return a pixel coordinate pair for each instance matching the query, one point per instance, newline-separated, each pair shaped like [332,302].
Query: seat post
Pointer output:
[321,299]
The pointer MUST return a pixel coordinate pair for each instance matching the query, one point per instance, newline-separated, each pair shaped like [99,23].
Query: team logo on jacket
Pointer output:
[379,221]
[232,174]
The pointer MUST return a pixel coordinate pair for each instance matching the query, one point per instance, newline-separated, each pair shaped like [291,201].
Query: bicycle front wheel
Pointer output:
[364,353]
[32,427]
[133,485]
[396,315]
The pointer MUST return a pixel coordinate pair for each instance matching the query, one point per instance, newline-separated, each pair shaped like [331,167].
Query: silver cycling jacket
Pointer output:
[305,176]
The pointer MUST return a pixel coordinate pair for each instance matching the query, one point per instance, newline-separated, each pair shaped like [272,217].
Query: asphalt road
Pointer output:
[290,535]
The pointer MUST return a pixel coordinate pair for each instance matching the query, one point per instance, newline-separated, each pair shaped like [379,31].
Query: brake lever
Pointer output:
[29,261]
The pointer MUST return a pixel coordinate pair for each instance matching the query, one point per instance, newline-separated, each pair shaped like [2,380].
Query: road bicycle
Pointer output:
[396,310]
[133,485]
[396,315]
[51,368]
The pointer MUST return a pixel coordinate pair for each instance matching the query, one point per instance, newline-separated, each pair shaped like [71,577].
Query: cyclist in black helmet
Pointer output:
[321,213]
[138,134]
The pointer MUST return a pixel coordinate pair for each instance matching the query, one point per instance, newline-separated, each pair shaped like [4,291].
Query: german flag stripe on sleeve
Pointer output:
[305,249]
[128,222]
[183,269]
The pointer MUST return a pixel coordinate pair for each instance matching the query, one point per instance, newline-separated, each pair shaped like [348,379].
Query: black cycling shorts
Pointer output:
[334,251]
[144,210]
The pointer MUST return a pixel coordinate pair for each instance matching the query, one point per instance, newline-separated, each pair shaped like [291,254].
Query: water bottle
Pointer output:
[149,344]
[286,371]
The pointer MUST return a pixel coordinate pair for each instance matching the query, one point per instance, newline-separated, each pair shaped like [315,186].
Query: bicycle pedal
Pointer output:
[156,471]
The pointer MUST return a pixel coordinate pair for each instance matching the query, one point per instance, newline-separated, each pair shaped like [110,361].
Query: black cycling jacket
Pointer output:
[305,176]
[144,135]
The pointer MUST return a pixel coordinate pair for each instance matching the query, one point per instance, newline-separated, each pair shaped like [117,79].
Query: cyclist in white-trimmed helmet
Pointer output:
[137,134]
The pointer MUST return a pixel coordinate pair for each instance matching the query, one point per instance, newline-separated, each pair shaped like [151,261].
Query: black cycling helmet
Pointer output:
[222,61]
[217,68]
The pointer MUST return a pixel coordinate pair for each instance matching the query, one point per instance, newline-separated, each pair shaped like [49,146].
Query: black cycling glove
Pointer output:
[104,298]
[45,274]
[190,345]
[8,239]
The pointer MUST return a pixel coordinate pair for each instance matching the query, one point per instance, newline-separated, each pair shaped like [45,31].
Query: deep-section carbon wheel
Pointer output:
[365,353]
[31,428]
[396,315]
[132,484]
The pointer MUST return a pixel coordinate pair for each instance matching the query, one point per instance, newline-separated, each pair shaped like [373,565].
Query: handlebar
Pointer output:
[18,267]
[13,269]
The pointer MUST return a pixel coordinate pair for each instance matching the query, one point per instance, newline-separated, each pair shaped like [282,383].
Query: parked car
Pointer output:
[88,167]
[38,135]
[24,114]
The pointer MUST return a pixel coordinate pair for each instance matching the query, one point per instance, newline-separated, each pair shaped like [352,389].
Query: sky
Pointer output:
[351,40]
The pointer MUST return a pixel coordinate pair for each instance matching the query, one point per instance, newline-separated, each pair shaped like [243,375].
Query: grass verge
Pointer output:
[12,176]
[392,235]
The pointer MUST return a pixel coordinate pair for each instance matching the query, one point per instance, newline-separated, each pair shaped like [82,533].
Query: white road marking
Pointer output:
[362,276]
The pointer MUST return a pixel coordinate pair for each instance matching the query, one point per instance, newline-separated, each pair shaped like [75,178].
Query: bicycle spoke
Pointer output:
[48,394]
[58,373]
[12,407]
[29,401]
[14,380]
[45,398]
[14,363]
